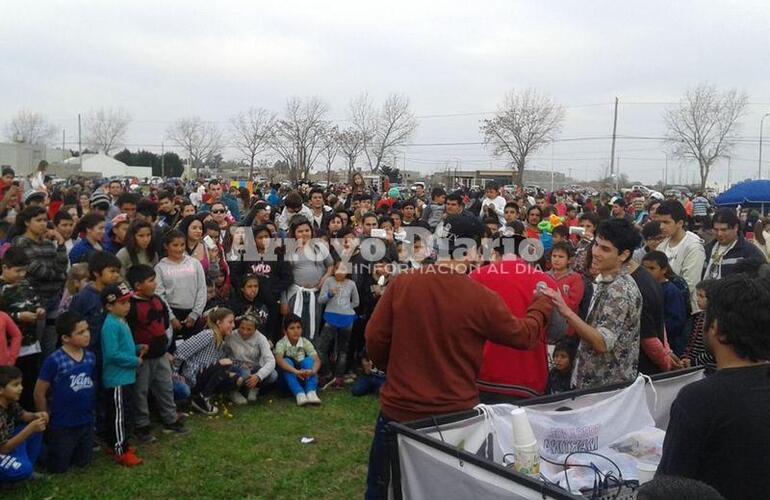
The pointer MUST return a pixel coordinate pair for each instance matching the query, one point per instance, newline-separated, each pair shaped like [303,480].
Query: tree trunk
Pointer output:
[251,170]
[704,174]
[520,176]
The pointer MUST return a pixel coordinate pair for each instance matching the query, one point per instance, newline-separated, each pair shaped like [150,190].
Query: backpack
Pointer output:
[681,285]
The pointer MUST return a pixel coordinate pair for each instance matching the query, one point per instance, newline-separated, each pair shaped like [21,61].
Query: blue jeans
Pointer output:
[378,475]
[367,384]
[244,373]
[19,464]
[70,446]
[291,380]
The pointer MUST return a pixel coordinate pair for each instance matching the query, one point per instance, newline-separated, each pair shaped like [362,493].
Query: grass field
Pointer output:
[255,454]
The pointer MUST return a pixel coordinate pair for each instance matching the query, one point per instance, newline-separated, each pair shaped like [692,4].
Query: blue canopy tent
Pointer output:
[755,194]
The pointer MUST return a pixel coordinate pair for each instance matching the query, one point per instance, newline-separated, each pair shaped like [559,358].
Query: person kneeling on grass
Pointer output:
[202,361]
[19,444]
[252,358]
[298,361]
[70,374]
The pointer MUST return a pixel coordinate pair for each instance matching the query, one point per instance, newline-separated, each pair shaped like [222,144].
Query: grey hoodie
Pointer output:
[182,285]
[252,353]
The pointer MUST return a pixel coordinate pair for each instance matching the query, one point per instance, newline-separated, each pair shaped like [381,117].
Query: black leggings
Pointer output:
[216,378]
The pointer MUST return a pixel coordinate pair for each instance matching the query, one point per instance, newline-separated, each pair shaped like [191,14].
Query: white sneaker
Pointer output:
[301,399]
[237,398]
[253,393]
[313,399]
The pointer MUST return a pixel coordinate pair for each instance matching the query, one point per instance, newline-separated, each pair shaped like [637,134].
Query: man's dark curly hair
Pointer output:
[741,307]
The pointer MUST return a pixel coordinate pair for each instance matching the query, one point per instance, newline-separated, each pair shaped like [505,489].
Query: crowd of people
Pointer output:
[121,301]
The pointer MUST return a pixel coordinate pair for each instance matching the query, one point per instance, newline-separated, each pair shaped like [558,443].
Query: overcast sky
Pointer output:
[164,60]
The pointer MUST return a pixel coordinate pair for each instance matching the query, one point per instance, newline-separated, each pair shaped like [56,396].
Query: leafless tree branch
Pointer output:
[525,122]
[704,125]
[30,127]
[106,129]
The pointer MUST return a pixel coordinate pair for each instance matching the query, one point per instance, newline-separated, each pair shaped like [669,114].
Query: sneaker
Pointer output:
[339,383]
[350,378]
[301,399]
[313,399]
[252,397]
[237,398]
[143,435]
[128,459]
[176,428]
[203,405]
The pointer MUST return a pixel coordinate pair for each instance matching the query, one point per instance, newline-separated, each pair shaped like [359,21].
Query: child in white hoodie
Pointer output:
[252,357]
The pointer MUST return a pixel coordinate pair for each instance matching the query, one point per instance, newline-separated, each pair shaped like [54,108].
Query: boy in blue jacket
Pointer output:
[104,270]
[121,357]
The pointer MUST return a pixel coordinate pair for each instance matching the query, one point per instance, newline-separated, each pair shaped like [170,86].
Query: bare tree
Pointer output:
[524,122]
[703,126]
[384,130]
[351,144]
[201,141]
[298,136]
[106,129]
[30,127]
[330,148]
[252,132]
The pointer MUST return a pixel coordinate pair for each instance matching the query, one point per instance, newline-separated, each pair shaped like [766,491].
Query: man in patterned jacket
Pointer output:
[609,338]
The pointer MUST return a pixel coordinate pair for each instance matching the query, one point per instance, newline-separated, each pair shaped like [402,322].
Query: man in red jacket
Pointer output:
[428,332]
[509,373]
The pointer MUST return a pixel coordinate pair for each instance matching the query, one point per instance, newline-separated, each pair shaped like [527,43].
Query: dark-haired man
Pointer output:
[609,337]
[434,373]
[683,248]
[168,213]
[216,194]
[729,248]
[719,432]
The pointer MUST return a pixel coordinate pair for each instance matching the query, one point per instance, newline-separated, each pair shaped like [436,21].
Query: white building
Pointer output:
[106,166]
[24,158]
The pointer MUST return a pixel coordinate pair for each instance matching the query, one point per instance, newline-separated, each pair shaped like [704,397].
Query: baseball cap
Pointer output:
[119,219]
[116,293]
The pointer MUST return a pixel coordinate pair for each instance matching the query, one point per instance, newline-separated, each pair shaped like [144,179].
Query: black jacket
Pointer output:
[731,262]
[275,276]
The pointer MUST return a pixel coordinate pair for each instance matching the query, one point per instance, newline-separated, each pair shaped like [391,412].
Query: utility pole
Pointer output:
[80,144]
[162,159]
[729,171]
[614,134]
[617,175]
[63,140]
[761,126]
[665,172]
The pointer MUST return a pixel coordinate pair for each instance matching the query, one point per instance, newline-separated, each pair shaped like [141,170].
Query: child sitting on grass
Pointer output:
[298,361]
[69,373]
[371,379]
[560,375]
[252,358]
[19,443]
[202,361]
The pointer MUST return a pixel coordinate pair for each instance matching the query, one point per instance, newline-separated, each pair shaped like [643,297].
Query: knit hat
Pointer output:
[98,198]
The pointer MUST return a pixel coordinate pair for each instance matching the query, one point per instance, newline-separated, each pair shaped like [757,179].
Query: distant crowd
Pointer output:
[121,301]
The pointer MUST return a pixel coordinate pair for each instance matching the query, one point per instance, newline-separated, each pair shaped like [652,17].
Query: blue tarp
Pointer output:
[746,194]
